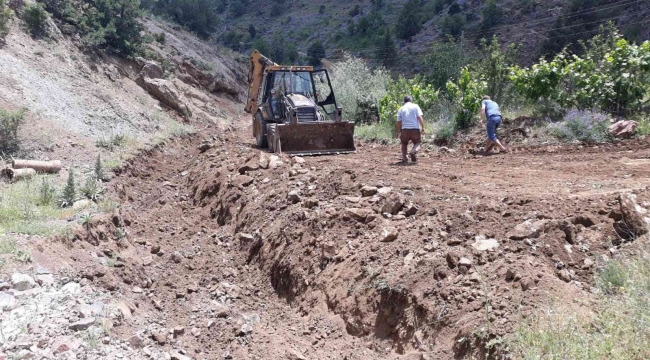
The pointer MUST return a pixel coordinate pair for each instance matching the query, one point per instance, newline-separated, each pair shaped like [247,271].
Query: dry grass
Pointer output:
[619,328]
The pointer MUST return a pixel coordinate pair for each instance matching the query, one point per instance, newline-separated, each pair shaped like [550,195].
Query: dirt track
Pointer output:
[262,274]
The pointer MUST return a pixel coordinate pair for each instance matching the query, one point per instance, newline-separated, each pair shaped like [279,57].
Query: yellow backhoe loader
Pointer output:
[294,110]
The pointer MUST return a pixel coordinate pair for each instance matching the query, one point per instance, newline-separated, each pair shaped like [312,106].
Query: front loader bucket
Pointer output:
[314,138]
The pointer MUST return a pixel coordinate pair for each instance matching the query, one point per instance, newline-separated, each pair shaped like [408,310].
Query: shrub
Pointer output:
[160,37]
[237,9]
[316,52]
[467,94]
[582,126]
[356,10]
[70,191]
[444,130]
[423,94]
[10,121]
[443,63]
[47,193]
[99,169]
[276,10]
[35,18]
[321,9]
[409,22]
[453,25]
[91,189]
[354,82]
[494,65]
[5,17]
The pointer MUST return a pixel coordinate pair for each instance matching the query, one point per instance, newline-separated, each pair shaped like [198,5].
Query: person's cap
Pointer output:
[408,98]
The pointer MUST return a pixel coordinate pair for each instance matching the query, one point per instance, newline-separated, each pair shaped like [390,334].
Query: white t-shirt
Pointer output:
[408,115]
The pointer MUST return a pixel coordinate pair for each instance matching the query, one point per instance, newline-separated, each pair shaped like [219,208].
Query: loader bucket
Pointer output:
[314,138]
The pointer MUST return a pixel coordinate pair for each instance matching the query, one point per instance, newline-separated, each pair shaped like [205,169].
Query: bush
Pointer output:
[237,9]
[160,38]
[10,121]
[47,193]
[70,191]
[379,131]
[409,23]
[316,52]
[443,64]
[444,130]
[467,95]
[5,18]
[494,64]
[582,126]
[35,18]
[453,25]
[354,82]
[423,94]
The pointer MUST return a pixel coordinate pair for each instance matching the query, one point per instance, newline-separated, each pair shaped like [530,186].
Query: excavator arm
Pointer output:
[255,76]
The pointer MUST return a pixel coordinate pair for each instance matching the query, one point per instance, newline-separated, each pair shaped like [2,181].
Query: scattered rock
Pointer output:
[155,249]
[465,262]
[360,215]
[384,191]
[22,282]
[205,146]
[481,243]
[176,257]
[393,204]
[159,337]
[275,162]
[164,92]
[7,301]
[584,220]
[310,203]
[45,279]
[175,355]
[526,284]
[152,70]
[196,332]
[252,164]
[452,259]
[588,263]
[410,210]
[178,331]
[136,341]
[295,355]
[368,191]
[245,330]
[527,229]
[83,324]
[389,234]
[71,288]
[565,275]
[242,181]
[293,196]
[510,275]
[454,241]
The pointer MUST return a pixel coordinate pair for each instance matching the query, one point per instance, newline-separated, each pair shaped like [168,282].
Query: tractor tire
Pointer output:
[261,139]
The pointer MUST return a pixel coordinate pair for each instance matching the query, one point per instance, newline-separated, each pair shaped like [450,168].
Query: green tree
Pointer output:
[252,31]
[387,50]
[262,46]
[453,25]
[5,17]
[316,52]
[35,18]
[70,191]
[443,63]
[408,20]
[492,15]
[467,94]
[237,9]
[494,65]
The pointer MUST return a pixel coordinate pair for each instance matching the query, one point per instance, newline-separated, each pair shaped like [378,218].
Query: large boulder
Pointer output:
[623,128]
[527,230]
[151,70]
[635,218]
[393,204]
[164,92]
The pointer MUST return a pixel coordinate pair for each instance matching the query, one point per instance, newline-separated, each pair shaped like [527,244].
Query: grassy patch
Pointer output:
[382,130]
[644,127]
[22,209]
[619,328]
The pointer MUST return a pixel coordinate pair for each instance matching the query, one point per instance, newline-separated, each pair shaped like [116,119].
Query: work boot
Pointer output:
[413,157]
[405,161]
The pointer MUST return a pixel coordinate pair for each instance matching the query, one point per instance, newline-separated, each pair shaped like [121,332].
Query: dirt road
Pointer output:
[233,254]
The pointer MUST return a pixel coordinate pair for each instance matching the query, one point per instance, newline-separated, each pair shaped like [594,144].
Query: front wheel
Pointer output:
[260,138]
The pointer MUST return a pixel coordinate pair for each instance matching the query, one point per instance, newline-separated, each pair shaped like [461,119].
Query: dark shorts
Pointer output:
[413,135]
[492,125]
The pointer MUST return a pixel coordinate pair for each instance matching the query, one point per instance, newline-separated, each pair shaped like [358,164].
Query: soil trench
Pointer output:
[356,256]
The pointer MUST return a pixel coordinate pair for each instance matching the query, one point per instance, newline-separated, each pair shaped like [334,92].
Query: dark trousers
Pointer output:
[410,135]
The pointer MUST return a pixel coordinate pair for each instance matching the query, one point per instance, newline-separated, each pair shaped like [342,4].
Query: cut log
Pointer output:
[20,174]
[51,167]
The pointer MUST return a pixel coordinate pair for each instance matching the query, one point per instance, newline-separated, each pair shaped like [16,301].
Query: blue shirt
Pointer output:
[491,108]
[408,115]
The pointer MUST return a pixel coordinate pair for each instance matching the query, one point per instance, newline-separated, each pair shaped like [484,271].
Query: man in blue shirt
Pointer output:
[491,113]
[410,127]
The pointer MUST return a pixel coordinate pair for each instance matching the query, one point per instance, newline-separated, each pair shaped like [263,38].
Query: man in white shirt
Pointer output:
[410,127]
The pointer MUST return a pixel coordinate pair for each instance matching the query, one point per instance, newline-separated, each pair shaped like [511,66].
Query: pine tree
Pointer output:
[408,20]
[69,192]
[99,171]
[387,50]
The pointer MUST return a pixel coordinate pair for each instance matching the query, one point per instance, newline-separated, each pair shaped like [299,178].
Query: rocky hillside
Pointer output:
[541,26]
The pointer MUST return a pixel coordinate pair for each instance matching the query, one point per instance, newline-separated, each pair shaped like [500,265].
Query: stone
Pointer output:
[298,160]
[220,310]
[393,204]
[82,204]
[481,243]
[408,259]
[7,301]
[242,181]
[526,284]
[205,145]
[152,70]
[137,290]
[465,262]
[410,210]
[584,220]
[5,286]
[510,275]
[175,355]
[635,217]
[623,129]
[45,279]
[82,324]
[164,92]
[360,215]
[178,331]
[196,332]
[295,355]
[527,229]
[125,310]
[71,288]
[275,162]
[159,337]
[588,263]
[368,191]
[293,196]
[252,164]
[384,191]
[565,275]
[452,259]
[136,341]
[388,234]
[176,257]
[454,241]
[147,260]
[310,203]
[244,330]
[22,282]
[155,249]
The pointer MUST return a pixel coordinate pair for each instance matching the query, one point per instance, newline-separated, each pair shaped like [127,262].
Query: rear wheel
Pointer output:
[261,139]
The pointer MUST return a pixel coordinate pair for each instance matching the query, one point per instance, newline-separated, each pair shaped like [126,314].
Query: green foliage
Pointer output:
[613,75]
[237,8]
[69,191]
[199,16]
[5,17]
[423,94]
[355,83]
[444,131]
[252,31]
[584,126]
[492,15]
[160,38]
[409,22]
[47,193]
[467,94]
[91,189]
[380,131]
[10,121]
[617,329]
[494,65]
[316,52]
[356,10]
[387,50]
[99,169]
[453,25]
[262,46]
[442,64]
[35,18]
